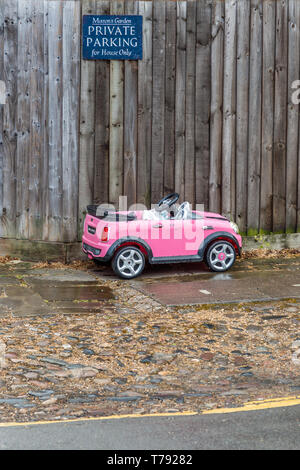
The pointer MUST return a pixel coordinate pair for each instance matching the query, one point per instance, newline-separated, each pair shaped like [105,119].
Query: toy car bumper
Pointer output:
[89,249]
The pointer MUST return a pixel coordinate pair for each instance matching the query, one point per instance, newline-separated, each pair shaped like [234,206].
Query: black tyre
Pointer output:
[220,256]
[128,263]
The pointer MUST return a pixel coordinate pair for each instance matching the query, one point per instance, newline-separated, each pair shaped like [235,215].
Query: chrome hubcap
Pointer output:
[222,256]
[130,263]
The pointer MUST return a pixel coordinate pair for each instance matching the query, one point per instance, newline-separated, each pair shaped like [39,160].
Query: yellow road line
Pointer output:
[102,418]
[250,406]
[258,405]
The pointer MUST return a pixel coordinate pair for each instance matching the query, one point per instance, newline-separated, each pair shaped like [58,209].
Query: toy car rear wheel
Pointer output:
[129,262]
[220,256]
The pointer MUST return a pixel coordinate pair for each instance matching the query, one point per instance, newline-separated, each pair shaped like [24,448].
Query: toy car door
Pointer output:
[176,238]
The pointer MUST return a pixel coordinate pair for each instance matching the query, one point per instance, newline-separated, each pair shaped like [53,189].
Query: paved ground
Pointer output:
[79,342]
[271,429]
[249,280]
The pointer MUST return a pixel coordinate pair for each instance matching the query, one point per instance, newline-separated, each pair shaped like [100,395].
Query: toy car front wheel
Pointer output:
[220,256]
[128,263]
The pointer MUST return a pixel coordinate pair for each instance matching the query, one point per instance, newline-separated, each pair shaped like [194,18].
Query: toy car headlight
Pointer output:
[234,227]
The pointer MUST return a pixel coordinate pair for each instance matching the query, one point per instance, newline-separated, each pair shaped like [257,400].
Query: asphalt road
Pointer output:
[277,428]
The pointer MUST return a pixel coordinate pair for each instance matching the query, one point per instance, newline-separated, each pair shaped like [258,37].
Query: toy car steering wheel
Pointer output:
[168,201]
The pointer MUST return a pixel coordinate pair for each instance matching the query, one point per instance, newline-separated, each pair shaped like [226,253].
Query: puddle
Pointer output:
[41,283]
[22,301]
[61,275]
[64,293]
[67,285]
[44,291]
[8,281]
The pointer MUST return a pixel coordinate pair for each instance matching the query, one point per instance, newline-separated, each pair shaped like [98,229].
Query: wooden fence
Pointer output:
[208,112]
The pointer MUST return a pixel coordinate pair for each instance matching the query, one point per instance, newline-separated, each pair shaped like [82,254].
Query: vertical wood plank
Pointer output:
[158,101]
[55,30]
[180,99]
[1,115]
[87,130]
[268,77]
[254,137]
[189,167]
[292,116]
[280,121]
[70,117]
[36,122]
[170,58]
[45,154]
[203,100]
[24,118]
[116,142]
[145,108]
[242,106]
[229,111]
[101,165]
[10,68]
[130,120]
[217,61]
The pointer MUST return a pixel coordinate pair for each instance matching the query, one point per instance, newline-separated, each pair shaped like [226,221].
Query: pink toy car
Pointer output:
[169,233]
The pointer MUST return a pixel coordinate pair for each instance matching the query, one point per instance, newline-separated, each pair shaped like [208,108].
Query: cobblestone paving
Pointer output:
[95,346]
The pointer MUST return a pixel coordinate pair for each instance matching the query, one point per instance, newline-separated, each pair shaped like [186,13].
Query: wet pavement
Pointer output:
[252,280]
[75,341]
[43,291]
